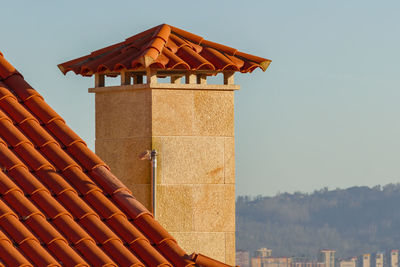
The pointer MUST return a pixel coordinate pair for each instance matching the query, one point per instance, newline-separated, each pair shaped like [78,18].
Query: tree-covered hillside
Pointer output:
[352,221]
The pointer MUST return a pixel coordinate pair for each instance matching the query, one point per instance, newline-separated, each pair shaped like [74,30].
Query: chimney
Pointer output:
[164,103]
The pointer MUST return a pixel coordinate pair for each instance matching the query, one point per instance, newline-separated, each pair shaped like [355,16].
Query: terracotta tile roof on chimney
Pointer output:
[167,48]
[59,203]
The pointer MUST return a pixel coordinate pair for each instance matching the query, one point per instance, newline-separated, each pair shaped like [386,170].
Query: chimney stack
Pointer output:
[186,121]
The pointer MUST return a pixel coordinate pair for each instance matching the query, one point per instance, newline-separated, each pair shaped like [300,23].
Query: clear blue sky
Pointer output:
[326,112]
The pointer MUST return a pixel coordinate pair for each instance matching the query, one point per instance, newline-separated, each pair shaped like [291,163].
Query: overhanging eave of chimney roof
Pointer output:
[165,51]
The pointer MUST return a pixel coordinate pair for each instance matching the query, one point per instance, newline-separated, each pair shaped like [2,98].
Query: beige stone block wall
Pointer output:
[193,132]
[198,208]
[123,131]
[211,244]
[122,155]
[142,192]
[172,112]
[123,114]
[214,208]
[190,159]
[230,248]
[214,113]
[175,207]
[192,113]
[218,245]
[201,217]
[229,160]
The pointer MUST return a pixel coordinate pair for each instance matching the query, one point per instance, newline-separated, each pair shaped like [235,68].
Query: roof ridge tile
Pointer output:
[187,35]
[155,47]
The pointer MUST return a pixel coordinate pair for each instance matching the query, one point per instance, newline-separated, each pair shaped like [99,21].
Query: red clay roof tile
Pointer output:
[203,260]
[59,203]
[167,48]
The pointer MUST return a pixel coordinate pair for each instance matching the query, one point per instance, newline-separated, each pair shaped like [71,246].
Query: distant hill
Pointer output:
[352,221]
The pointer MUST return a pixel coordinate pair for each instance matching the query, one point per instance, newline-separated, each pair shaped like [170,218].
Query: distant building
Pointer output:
[348,263]
[393,258]
[379,260]
[270,262]
[305,262]
[243,258]
[308,264]
[364,260]
[263,253]
[256,262]
[327,256]
[277,262]
[263,258]
[259,256]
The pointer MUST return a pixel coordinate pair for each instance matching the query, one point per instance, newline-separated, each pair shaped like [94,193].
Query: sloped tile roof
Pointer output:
[59,203]
[167,48]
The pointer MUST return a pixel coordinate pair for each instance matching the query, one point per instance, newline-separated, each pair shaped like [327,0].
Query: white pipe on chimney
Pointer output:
[152,155]
[153,179]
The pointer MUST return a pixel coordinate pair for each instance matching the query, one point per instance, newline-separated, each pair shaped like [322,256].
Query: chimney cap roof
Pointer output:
[166,48]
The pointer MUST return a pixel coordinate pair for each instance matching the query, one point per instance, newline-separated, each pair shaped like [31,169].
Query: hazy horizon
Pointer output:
[381,186]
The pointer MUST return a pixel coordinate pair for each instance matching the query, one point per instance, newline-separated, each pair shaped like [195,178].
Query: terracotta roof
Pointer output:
[167,48]
[59,203]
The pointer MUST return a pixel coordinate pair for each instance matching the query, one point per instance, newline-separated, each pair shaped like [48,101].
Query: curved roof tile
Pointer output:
[59,203]
[168,48]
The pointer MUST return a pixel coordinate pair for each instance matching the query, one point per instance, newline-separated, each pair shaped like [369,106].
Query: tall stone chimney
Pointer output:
[164,103]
